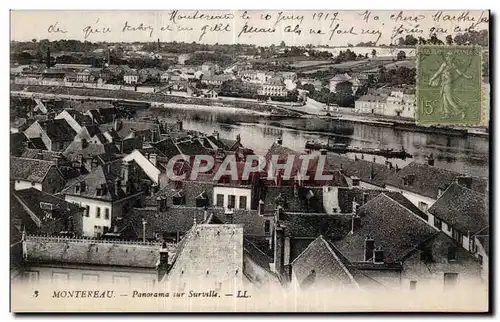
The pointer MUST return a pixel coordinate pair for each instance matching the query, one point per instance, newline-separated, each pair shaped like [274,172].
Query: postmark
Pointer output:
[449,85]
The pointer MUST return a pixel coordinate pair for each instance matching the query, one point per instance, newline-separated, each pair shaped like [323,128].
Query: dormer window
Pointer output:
[452,253]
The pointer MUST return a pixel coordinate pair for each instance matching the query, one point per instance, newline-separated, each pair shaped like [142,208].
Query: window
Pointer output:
[452,253]
[87,211]
[60,277]
[423,206]
[413,285]
[123,280]
[243,202]
[106,213]
[31,276]
[231,201]
[480,257]
[438,223]
[458,236]
[98,213]
[90,278]
[450,280]
[179,200]
[267,227]
[220,200]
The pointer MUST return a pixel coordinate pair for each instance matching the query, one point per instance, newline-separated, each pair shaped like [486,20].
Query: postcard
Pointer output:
[249,161]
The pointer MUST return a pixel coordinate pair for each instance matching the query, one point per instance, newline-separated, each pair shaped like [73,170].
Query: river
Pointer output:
[465,154]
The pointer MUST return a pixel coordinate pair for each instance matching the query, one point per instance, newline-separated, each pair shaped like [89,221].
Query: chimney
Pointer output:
[179,125]
[388,165]
[118,186]
[260,208]
[153,159]
[430,160]
[396,168]
[279,250]
[465,181]
[83,186]
[125,174]
[163,267]
[279,141]
[39,155]
[57,160]
[117,124]
[85,144]
[216,134]
[355,205]
[378,255]
[323,151]
[296,190]
[158,204]
[205,215]
[355,181]
[355,222]
[238,138]
[94,164]
[369,248]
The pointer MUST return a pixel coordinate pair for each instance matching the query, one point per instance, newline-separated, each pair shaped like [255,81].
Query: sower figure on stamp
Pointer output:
[449,104]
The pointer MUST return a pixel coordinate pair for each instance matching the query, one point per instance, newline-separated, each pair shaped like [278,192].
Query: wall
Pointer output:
[114,275]
[432,273]
[21,185]
[53,181]
[90,221]
[36,131]
[331,199]
[226,191]
[413,197]
[71,121]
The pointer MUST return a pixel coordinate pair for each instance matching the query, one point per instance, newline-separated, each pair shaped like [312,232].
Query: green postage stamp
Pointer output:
[449,85]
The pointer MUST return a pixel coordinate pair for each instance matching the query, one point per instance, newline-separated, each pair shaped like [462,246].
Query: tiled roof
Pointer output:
[61,214]
[253,224]
[346,196]
[319,264]
[127,126]
[93,129]
[392,226]
[258,256]
[332,227]
[29,169]
[37,143]
[463,208]
[45,154]
[341,77]
[91,150]
[105,174]
[92,252]
[189,189]
[427,180]
[308,199]
[366,171]
[174,219]
[58,130]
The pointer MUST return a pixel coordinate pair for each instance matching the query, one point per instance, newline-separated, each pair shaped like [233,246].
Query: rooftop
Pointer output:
[463,208]
[92,252]
[33,170]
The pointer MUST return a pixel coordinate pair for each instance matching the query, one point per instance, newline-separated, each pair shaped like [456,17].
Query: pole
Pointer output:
[144,230]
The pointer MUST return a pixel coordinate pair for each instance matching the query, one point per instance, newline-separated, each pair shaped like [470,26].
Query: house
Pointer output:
[107,193]
[209,69]
[217,250]
[18,142]
[423,184]
[339,79]
[321,264]
[290,80]
[149,74]
[34,173]
[18,125]
[75,119]
[391,244]
[56,135]
[92,262]
[36,212]
[274,87]
[165,77]
[461,213]
[371,104]
[401,103]
[149,166]
[84,76]
[148,131]
[215,80]
[209,93]
[131,77]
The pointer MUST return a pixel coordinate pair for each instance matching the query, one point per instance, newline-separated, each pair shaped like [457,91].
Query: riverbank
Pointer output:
[279,114]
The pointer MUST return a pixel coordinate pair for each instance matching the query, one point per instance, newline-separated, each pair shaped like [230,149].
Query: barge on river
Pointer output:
[344,148]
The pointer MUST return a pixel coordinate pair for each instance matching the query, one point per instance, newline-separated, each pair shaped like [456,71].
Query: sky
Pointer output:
[302,27]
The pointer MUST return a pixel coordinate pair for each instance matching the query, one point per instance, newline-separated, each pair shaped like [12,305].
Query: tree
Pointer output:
[401,55]
[374,53]
[449,40]
[282,43]
[434,40]
[310,88]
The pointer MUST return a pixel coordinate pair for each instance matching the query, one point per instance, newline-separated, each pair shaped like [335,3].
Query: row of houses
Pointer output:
[399,102]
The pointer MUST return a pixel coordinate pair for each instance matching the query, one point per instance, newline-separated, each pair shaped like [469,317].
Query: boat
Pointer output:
[344,148]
